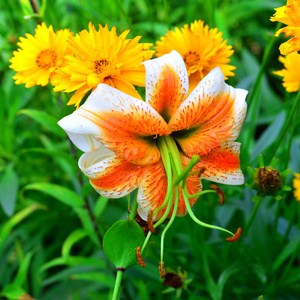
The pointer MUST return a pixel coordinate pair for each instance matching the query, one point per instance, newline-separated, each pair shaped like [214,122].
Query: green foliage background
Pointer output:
[48,246]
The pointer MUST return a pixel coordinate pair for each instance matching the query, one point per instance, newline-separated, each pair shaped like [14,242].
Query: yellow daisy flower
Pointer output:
[103,57]
[291,73]
[39,56]
[201,49]
[289,15]
[296,185]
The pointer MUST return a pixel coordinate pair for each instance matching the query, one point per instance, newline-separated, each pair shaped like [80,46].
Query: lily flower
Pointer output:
[160,145]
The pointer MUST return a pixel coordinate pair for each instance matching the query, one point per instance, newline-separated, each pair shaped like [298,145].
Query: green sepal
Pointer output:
[120,243]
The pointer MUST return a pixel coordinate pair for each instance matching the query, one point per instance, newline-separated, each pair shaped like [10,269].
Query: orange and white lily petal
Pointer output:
[212,114]
[167,83]
[153,189]
[223,164]
[110,176]
[126,125]
[206,123]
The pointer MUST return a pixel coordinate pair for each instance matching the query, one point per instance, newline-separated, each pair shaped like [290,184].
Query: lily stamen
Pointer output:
[236,236]
[162,270]
[139,257]
[220,193]
[150,222]
[196,220]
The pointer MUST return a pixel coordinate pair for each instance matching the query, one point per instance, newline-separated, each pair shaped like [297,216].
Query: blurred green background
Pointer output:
[48,246]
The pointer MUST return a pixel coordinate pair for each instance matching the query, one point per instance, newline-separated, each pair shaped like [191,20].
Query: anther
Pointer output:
[139,258]
[236,236]
[162,270]
[150,222]
[201,171]
[220,193]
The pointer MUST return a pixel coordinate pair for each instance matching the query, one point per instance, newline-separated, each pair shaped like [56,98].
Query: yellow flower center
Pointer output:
[191,58]
[100,65]
[46,59]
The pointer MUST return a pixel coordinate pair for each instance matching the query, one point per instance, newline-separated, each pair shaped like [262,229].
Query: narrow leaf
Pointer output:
[74,237]
[47,121]
[16,219]
[58,192]
[9,184]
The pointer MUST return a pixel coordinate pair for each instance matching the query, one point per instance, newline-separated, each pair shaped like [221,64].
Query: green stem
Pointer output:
[286,126]
[186,192]
[277,215]
[169,223]
[194,218]
[167,164]
[117,285]
[185,173]
[291,137]
[134,208]
[253,98]
[253,215]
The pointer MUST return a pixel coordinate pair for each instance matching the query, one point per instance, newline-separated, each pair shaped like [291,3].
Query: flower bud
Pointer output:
[267,180]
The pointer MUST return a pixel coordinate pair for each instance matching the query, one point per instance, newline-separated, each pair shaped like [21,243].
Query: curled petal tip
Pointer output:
[236,236]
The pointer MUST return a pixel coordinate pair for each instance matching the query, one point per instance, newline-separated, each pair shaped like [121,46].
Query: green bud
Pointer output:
[267,180]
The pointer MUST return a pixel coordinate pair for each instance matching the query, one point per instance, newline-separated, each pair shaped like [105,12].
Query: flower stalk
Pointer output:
[117,287]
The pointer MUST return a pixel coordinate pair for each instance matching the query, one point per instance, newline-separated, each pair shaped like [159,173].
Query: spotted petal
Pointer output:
[110,176]
[153,190]
[223,165]
[125,125]
[212,114]
[166,83]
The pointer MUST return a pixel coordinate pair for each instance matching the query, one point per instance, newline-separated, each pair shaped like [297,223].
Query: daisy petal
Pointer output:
[212,114]
[166,83]
[223,164]
[110,176]
[125,125]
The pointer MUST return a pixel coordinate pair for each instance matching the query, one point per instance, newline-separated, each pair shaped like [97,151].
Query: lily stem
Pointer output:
[117,285]
[133,208]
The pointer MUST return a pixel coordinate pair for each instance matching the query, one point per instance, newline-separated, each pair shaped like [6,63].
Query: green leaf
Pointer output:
[74,237]
[16,219]
[269,136]
[100,206]
[58,192]
[9,184]
[55,154]
[87,224]
[22,274]
[14,292]
[47,121]
[292,246]
[74,261]
[98,277]
[120,243]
